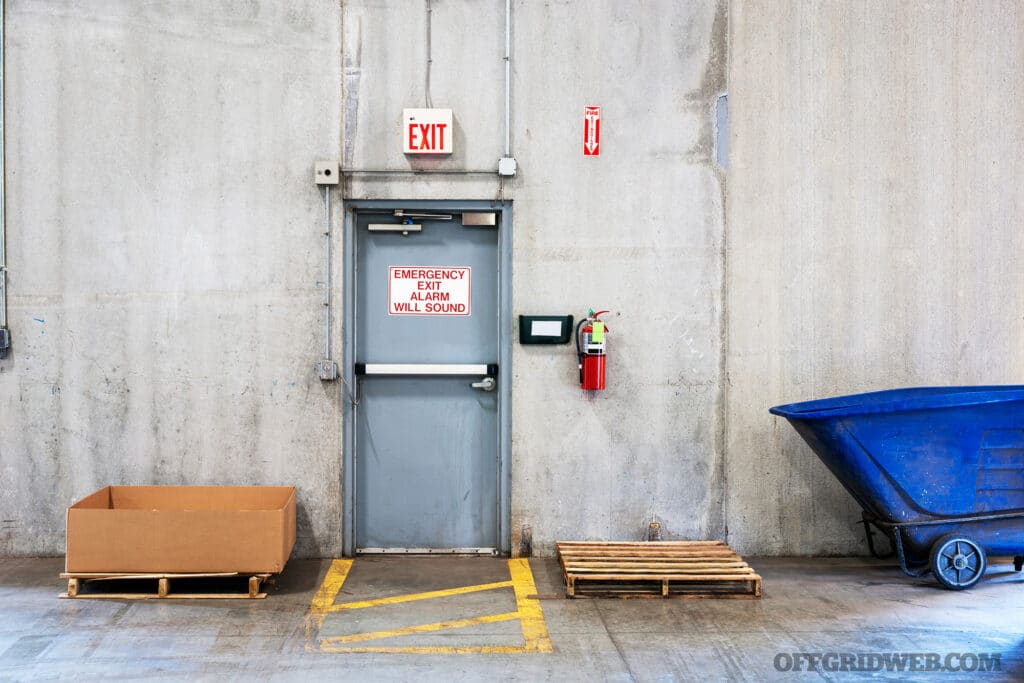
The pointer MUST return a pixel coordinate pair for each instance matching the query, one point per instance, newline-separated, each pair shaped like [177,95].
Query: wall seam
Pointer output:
[339,543]
[723,362]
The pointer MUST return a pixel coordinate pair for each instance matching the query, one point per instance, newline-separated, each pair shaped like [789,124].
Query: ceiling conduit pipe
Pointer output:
[5,335]
[508,78]
[507,163]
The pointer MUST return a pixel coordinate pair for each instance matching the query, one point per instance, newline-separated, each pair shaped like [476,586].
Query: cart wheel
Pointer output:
[957,562]
[1018,562]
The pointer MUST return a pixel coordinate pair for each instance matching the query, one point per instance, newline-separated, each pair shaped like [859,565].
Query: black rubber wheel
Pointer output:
[1018,562]
[957,562]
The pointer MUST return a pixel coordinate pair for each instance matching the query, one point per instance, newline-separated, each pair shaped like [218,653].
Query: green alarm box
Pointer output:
[545,329]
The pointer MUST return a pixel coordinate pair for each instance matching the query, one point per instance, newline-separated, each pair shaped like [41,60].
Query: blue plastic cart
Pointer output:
[939,470]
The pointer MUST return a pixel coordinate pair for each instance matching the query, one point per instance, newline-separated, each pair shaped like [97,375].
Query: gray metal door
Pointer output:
[426,331]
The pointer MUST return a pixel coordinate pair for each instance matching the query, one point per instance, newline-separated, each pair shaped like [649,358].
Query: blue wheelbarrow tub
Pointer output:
[931,456]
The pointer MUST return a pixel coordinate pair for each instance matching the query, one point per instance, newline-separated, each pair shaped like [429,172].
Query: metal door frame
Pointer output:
[504,323]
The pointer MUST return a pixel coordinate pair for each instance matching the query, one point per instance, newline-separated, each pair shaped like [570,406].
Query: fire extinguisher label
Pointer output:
[429,290]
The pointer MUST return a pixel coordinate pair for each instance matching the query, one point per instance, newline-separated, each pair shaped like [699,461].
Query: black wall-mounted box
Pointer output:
[545,329]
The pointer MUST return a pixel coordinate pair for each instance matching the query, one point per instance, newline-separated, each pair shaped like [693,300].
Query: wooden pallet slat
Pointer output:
[164,586]
[684,545]
[626,557]
[687,569]
[659,565]
[629,552]
[642,569]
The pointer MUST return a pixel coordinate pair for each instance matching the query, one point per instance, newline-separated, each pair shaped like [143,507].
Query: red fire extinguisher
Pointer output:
[590,350]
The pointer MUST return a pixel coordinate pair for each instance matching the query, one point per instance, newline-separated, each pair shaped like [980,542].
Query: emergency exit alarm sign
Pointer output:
[429,290]
[427,131]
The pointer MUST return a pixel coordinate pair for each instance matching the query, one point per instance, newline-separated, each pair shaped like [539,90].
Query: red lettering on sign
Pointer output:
[430,290]
[427,137]
[591,131]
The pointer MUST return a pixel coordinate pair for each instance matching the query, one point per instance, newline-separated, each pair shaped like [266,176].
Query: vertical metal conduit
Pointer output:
[508,78]
[3,197]
[327,272]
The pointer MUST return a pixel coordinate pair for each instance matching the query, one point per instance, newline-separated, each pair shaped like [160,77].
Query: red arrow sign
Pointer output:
[591,131]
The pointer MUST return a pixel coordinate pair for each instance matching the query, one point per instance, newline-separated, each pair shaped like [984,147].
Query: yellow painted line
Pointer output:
[528,611]
[324,598]
[429,650]
[535,631]
[331,586]
[461,590]
[422,628]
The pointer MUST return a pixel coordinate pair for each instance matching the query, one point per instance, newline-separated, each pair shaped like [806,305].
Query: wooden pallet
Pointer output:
[163,586]
[683,569]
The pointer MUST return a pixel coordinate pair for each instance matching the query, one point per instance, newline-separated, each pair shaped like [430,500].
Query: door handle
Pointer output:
[485,384]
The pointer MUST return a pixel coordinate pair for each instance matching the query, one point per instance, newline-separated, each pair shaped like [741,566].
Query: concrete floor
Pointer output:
[809,606]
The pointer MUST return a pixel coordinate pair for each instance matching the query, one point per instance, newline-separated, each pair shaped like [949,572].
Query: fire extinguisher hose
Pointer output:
[579,350]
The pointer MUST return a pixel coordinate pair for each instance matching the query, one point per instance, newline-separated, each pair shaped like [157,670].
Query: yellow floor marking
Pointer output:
[430,650]
[324,598]
[535,632]
[422,628]
[419,596]
[528,612]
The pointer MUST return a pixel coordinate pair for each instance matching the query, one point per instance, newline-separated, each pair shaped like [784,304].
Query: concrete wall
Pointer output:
[636,231]
[874,235]
[165,242]
[176,261]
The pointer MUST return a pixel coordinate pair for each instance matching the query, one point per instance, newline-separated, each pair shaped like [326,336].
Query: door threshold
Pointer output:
[491,552]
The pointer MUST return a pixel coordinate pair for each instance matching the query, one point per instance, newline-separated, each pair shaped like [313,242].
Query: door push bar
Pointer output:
[426,369]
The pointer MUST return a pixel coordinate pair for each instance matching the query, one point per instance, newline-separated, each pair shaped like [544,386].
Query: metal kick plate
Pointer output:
[427,551]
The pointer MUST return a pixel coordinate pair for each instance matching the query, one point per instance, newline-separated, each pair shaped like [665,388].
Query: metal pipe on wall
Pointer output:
[508,78]
[3,197]
[327,272]
[427,102]
[415,171]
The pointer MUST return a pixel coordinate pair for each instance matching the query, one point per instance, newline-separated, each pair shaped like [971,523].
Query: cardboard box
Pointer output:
[182,529]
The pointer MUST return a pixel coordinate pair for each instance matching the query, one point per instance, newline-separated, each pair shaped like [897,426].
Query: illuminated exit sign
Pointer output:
[427,131]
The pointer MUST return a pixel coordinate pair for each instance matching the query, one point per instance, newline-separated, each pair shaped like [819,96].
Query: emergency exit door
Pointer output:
[426,363]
